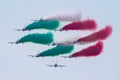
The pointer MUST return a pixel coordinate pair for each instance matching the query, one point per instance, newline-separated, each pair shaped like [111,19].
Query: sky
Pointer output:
[16,65]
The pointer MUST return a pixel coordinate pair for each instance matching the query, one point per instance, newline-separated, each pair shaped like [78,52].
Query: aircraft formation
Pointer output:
[52,23]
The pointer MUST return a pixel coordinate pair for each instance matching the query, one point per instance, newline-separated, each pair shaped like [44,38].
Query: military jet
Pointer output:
[67,43]
[17,42]
[70,56]
[56,65]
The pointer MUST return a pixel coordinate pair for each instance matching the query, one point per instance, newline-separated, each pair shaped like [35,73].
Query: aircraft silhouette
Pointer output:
[35,56]
[56,65]
[70,56]
[17,42]
[41,19]
[59,30]
[20,29]
[67,43]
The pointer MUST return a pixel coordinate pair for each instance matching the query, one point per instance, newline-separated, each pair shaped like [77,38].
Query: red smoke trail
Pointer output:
[90,51]
[81,25]
[100,35]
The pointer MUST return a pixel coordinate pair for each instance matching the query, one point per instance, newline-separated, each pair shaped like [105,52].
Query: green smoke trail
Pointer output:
[58,50]
[43,24]
[37,38]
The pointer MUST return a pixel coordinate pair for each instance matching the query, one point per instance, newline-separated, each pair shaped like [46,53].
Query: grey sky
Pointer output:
[16,65]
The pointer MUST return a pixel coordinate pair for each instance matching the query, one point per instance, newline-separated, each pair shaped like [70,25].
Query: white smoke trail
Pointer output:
[69,16]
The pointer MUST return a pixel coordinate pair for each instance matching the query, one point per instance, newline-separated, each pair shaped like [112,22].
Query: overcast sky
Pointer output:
[16,65]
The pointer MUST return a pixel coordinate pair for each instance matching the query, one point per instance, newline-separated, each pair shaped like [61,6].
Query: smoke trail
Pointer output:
[100,35]
[43,24]
[37,38]
[58,50]
[71,16]
[81,25]
[90,51]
